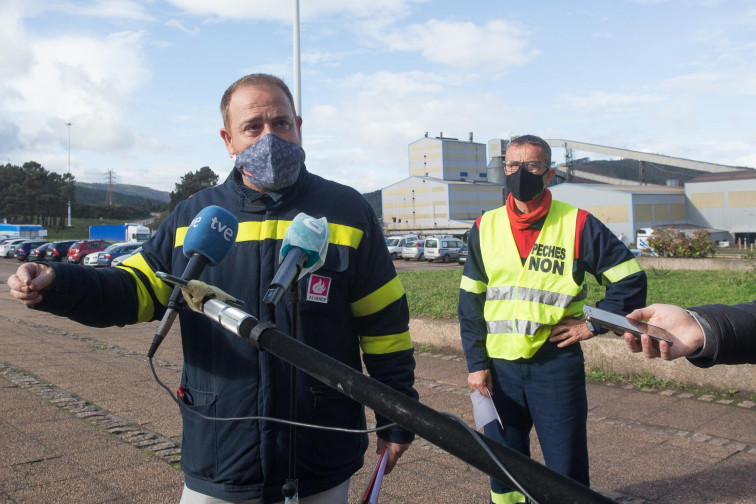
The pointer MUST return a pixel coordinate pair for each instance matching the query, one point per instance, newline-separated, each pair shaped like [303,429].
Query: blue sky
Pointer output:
[141,80]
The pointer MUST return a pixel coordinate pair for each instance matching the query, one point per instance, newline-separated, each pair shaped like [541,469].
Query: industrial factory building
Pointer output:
[453,182]
[446,191]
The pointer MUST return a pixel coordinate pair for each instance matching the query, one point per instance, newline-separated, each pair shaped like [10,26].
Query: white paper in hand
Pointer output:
[484,410]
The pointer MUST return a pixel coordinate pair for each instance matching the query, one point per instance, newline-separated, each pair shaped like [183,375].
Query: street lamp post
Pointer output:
[297,66]
[69,170]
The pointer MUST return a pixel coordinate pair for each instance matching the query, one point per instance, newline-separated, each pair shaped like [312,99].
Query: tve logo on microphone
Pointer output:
[318,288]
[226,231]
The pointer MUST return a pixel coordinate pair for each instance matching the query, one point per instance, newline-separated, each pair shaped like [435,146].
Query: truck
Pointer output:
[128,232]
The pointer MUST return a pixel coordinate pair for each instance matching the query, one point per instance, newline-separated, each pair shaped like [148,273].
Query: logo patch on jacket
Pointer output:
[317,288]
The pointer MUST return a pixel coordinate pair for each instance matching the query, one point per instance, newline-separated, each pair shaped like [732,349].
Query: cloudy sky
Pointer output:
[140,81]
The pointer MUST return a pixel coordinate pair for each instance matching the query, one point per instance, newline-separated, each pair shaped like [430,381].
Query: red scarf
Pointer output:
[525,236]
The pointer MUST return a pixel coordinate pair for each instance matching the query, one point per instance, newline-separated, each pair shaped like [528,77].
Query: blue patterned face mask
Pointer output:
[271,163]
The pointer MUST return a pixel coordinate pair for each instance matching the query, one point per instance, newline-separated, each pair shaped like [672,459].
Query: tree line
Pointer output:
[30,194]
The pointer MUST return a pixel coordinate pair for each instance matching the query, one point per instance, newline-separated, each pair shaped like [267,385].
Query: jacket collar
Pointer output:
[256,202]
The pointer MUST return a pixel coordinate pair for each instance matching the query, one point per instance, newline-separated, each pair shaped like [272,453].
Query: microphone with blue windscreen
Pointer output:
[208,240]
[303,250]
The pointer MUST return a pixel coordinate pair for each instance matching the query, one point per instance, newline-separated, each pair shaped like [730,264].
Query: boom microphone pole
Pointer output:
[545,485]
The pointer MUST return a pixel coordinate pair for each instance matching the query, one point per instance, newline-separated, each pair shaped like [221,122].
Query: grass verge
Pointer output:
[434,293]
[649,381]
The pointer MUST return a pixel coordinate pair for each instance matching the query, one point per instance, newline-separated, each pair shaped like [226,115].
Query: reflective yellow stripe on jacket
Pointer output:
[372,304]
[151,289]
[339,234]
[523,302]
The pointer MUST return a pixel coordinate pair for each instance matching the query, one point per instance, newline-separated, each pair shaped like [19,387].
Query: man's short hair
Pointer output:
[535,141]
[253,80]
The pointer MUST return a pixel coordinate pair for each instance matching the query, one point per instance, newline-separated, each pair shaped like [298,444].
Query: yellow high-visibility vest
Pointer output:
[524,301]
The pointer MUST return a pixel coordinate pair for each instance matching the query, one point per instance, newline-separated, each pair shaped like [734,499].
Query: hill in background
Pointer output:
[374,198]
[123,195]
[139,197]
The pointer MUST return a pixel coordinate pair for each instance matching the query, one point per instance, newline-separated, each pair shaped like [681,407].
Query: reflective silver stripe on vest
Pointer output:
[513,326]
[535,295]
[500,293]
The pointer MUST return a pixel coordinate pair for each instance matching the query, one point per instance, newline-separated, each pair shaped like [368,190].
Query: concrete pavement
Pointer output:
[82,420]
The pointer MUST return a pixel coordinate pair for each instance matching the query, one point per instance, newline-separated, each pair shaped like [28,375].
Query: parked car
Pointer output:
[90,259]
[414,250]
[82,248]
[395,244]
[118,260]
[38,254]
[444,248]
[462,257]
[5,248]
[6,240]
[23,249]
[105,257]
[58,250]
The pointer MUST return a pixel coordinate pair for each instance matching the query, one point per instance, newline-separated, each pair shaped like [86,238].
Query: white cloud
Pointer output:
[495,46]
[275,10]
[726,84]
[175,23]
[322,58]
[16,53]
[114,9]
[702,3]
[608,103]
[363,139]
[80,79]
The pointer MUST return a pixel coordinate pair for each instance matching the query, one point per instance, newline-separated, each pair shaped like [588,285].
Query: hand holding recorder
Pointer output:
[680,326]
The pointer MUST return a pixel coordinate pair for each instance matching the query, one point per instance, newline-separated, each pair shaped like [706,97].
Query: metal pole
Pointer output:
[297,76]
[545,485]
[69,170]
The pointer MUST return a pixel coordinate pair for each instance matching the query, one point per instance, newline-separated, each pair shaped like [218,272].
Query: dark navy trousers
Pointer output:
[546,391]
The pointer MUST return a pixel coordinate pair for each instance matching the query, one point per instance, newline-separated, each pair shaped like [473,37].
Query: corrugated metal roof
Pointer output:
[650,189]
[747,174]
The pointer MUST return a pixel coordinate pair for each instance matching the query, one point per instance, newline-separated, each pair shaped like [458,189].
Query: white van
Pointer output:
[445,248]
[395,244]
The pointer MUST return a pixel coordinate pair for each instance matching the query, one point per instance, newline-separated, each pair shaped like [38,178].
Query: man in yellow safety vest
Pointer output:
[520,307]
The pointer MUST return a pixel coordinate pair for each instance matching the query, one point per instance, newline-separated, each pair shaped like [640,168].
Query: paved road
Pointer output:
[82,420]
[402,265]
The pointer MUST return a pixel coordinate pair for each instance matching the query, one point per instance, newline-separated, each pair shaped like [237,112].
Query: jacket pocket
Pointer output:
[330,450]
[324,396]
[199,446]
[337,259]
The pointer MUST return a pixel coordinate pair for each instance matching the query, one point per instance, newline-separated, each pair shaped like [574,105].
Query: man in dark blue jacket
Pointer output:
[360,309]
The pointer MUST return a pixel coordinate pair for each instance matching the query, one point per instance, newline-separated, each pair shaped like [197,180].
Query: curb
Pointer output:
[608,352]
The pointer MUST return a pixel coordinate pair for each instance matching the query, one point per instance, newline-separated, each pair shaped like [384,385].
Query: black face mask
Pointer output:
[524,185]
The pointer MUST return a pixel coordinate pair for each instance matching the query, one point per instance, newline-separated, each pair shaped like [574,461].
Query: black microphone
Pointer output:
[209,238]
[304,249]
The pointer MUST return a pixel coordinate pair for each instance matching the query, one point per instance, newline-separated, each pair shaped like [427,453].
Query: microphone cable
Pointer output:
[491,455]
[186,408]
[473,433]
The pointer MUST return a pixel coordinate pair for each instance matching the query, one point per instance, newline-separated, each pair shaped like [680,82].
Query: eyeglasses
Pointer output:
[532,166]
